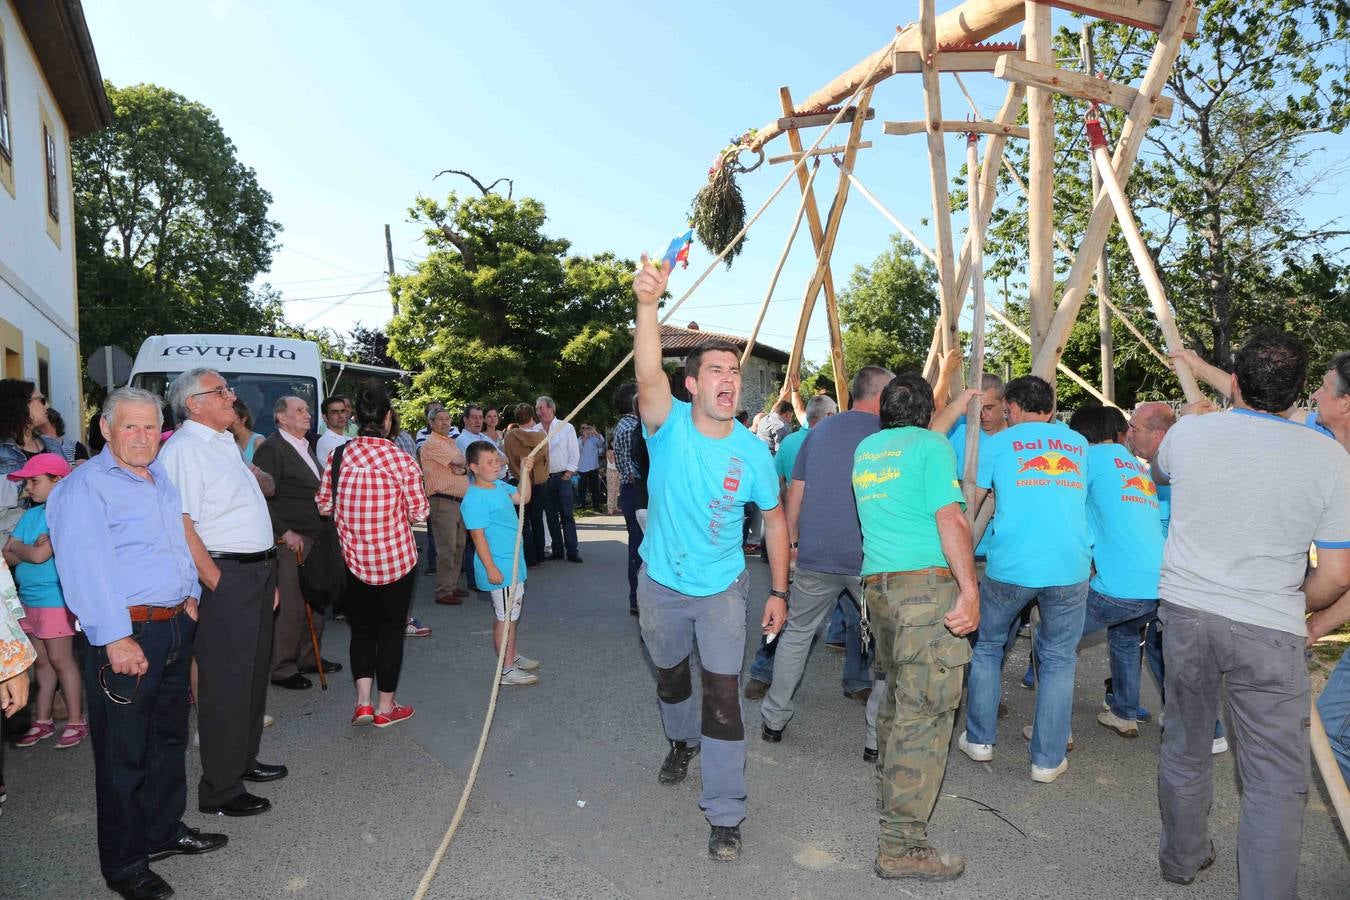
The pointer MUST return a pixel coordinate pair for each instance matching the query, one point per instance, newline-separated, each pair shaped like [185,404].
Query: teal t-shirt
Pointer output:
[38,583]
[901,478]
[1038,472]
[491,509]
[957,436]
[697,493]
[1124,519]
[786,457]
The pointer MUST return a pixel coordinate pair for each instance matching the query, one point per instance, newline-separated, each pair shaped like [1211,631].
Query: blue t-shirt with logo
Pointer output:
[1038,472]
[491,509]
[957,437]
[39,585]
[697,494]
[1123,519]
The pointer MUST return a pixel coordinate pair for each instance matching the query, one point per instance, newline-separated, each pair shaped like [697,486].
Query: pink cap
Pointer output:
[42,464]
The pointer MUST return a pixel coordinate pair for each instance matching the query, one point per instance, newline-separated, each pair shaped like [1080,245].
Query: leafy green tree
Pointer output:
[889,309]
[171,228]
[499,312]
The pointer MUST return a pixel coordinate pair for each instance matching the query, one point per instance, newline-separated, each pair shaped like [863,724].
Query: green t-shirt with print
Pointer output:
[901,478]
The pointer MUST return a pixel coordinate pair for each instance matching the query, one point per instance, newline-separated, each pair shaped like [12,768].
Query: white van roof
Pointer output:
[180,352]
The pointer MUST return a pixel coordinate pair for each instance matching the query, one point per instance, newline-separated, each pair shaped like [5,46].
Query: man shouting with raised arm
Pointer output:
[693,585]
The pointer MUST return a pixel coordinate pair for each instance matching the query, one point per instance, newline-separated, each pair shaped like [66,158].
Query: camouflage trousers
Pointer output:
[924,664]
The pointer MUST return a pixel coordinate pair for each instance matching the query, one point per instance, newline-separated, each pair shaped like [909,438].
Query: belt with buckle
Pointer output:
[881,577]
[260,556]
[448,497]
[154,613]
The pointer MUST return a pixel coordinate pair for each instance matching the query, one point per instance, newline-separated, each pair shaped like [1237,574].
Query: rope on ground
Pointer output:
[513,600]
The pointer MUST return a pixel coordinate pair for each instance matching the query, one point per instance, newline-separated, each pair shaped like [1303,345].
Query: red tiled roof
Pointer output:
[676,341]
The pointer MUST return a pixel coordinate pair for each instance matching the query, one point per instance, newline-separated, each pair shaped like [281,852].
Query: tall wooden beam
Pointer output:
[1041,186]
[954,127]
[937,167]
[977,331]
[1105,341]
[1127,150]
[1055,80]
[808,198]
[1147,14]
[822,272]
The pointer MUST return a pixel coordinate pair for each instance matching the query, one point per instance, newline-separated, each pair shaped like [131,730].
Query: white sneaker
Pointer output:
[1027,732]
[268,721]
[516,676]
[977,752]
[1128,728]
[1045,776]
[524,662]
[1220,745]
[196,738]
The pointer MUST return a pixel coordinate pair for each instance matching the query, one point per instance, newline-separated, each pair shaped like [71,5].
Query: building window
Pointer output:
[5,152]
[44,377]
[53,197]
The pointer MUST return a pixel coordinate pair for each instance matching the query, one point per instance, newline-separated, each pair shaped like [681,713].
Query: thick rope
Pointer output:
[434,866]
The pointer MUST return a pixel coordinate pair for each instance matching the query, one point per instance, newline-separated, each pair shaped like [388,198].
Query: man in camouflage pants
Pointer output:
[921,597]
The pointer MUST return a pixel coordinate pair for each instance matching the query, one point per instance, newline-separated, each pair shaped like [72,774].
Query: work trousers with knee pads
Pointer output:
[671,624]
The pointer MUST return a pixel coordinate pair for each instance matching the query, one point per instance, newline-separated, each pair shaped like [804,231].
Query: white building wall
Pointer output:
[37,272]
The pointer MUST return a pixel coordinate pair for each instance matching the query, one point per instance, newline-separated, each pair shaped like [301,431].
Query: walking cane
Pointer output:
[309,620]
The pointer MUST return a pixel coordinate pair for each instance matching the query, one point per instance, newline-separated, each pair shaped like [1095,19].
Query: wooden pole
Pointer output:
[937,168]
[977,329]
[1143,260]
[823,255]
[1127,150]
[1104,339]
[1330,770]
[778,269]
[904,230]
[1040,196]
[813,222]
[1069,373]
[389,256]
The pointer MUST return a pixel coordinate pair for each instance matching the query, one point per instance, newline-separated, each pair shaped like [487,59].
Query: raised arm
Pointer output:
[654,398]
[1211,375]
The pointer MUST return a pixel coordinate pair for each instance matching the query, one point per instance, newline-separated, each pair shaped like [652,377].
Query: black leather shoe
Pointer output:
[191,844]
[329,667]
[245,804]
[869,754]
[143,885]
[264,772]
[554,556]
[724,843]
[676,764]
[772,735]
[296,682]
[574,559]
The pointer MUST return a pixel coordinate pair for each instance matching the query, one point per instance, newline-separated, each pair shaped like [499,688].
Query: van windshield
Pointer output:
[260,391]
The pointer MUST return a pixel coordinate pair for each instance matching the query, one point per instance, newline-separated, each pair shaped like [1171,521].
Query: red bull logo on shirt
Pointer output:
[1051,464]
[1140,483]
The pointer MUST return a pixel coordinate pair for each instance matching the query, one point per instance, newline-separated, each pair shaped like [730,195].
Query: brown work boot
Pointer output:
[755,689]
[923,863]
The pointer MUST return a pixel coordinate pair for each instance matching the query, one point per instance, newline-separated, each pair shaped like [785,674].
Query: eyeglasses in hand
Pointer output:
[116,698]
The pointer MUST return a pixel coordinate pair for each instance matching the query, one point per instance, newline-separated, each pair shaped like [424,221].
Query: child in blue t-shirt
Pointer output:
[46,619]
[489,511]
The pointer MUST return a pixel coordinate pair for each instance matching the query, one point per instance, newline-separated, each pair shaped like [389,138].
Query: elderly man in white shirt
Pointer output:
[564,454]
[229,534]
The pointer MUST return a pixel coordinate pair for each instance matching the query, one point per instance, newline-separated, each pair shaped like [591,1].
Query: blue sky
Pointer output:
[607,113]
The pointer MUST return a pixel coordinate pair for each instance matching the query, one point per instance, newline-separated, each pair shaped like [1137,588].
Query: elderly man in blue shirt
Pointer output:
[121,551]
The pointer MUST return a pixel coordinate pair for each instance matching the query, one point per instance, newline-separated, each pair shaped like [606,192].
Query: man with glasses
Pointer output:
[229,534]
[129,577]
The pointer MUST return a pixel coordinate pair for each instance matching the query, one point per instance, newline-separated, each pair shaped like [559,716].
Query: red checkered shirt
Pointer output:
[380,494]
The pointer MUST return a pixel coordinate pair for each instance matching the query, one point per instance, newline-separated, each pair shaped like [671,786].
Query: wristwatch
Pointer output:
[781,595]
[792,545]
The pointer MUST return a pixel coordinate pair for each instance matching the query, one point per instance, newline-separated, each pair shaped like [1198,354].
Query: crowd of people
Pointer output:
[1190,537]
[156,569]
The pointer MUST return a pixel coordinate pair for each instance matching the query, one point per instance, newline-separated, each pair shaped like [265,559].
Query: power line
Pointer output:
[328,278]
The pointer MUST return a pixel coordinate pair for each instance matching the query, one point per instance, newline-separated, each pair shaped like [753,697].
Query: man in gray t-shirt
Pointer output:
[1250,491]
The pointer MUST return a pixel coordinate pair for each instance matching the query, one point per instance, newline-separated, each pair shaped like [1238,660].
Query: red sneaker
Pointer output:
[364,715]
[396,714]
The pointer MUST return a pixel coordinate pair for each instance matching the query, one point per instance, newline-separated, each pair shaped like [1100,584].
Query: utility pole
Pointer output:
[389,258]
[1103,313]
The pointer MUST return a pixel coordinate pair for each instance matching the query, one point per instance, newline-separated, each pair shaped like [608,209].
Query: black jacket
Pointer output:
[292,506]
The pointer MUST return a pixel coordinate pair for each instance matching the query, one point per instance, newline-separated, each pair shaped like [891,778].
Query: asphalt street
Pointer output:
[567,803]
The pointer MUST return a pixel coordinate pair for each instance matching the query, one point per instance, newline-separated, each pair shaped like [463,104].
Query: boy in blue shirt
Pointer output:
[704,468]
[1037,470]
[489,512]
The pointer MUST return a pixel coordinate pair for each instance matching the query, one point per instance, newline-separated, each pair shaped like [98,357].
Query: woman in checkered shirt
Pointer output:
[379,496]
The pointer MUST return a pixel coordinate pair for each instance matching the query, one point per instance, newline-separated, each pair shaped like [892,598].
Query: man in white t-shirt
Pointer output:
[337,412]
[564,455]
[1250,491]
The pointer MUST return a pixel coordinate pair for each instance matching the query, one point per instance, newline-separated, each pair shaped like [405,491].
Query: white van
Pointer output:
[261,370]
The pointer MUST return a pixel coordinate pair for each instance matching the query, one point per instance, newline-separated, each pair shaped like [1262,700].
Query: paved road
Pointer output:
[363,810]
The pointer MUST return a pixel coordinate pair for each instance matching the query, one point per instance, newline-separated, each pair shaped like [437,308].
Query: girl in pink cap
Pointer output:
[46,619]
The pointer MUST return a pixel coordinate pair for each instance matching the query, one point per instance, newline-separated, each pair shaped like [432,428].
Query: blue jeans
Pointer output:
[1056,645]
[562,527]
[1334,708]
[671,624]
[1122,620]
[628,500]
[836,633]
[857,673]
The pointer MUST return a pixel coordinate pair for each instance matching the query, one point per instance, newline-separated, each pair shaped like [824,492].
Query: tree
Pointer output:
[171,228]
[499,312]
[1219,187]
[889,310]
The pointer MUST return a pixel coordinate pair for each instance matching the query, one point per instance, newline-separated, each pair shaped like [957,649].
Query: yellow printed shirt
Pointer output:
[901,478]
[16,651]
